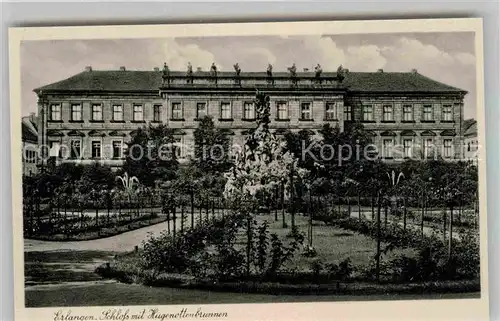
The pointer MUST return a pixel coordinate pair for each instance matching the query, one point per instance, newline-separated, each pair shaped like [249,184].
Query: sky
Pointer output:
[445,57]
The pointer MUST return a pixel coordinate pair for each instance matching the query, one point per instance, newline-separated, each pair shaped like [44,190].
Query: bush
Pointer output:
[433,263]
[167,254]
[340,272]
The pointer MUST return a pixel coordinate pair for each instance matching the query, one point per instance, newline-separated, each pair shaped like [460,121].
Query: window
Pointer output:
[76,149]
[448,148]
[97,112]
[387,148]
[447,113]
[76,112]
[282,110]
[178,150]
[96,149]
[157,113]
[387,113]
[176,111]
[347,113]
[118,112]
[407,113]
[225,110]
[248,110]
[55,112]
[331,111]
[368,113]
[428,114]
[407,147]
[55,149]
[138,113]
[201,110]
[468,146]
[32,156]
[306,111]
[428,147]
[117,149]
[29,156]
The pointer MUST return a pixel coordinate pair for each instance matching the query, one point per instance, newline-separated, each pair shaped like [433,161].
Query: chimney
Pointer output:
[198,69]
[414,71]
[380,70]
[33,118]
[88,68]
[306,69]
[122,68]
[156,69]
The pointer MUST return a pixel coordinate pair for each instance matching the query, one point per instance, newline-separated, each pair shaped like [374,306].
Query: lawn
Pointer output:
[332,244]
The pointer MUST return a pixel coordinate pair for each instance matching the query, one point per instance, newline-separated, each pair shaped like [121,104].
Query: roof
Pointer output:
[29,130]
[470,127]
[137,81]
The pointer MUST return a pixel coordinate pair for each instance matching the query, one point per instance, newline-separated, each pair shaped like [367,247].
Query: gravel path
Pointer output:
[124,242]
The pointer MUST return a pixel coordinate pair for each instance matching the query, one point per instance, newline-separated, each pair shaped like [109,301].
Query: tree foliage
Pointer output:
[211,147]
[152,154]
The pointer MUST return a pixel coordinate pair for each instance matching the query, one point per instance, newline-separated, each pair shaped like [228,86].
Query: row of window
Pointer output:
[472,146]
[178,114]
[30,156]
[428,113]
[282,112]
[429,148]
[97,112]
[117,149]
[75,149]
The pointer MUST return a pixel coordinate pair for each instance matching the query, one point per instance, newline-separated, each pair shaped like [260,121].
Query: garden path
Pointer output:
[124,242]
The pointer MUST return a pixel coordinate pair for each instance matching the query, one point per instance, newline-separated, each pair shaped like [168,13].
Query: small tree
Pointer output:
[211,147]
[260,167]
[151,155]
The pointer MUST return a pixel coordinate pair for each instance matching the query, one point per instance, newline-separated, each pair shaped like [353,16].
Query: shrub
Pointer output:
[340,272]
[316,269]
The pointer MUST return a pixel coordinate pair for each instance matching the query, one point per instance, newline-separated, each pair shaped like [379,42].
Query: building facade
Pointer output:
[92,114]
[29,140]
[471,143]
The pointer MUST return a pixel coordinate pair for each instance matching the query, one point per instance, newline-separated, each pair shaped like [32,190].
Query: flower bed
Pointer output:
[212,256]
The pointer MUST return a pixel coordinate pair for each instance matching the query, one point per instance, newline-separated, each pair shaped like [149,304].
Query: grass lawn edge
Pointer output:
[275,288]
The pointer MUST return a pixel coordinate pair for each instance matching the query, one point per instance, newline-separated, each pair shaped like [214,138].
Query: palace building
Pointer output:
[94,112]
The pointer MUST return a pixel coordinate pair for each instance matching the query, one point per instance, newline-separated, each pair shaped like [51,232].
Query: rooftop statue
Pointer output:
[341,73]
[270,79]
[237,69]
[318,70]
[213,72]
[269,70]
[189,73]
[293,74]
[293,70]
[166,73]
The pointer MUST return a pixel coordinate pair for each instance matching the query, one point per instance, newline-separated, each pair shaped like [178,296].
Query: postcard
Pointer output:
[327,170]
